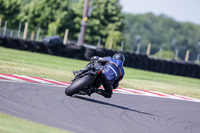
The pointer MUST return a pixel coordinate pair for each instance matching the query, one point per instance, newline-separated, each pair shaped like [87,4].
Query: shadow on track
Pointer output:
[113,105]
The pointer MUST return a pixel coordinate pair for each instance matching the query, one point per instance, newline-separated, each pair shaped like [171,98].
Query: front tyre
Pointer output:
[78,85]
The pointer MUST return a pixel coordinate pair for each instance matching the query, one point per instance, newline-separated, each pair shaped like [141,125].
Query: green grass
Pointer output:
[59,68]
[10,124]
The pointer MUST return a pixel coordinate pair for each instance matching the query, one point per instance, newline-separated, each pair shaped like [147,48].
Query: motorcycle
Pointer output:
[86,83]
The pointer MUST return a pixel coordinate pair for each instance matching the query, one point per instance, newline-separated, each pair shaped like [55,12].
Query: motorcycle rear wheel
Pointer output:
[78,85]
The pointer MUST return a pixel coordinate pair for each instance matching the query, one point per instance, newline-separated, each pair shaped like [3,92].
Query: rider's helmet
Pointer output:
[119,56]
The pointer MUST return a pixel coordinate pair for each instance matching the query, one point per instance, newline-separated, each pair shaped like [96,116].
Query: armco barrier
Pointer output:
[85,53]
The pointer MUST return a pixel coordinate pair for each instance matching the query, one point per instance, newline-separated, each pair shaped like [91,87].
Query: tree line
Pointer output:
[162,32]
[106,23]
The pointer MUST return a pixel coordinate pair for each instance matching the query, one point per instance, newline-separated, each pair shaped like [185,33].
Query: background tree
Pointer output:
[162,31]
[24,2]
[46,14]
[105,21]
[105,17]
[114,37]
[9,10]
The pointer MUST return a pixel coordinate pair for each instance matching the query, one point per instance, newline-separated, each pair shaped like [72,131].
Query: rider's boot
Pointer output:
[76,73]
[85,69]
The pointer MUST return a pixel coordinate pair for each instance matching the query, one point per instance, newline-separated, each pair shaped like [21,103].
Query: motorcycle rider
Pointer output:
[113,73]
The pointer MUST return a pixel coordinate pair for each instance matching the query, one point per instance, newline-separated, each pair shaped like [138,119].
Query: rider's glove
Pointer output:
[94,58]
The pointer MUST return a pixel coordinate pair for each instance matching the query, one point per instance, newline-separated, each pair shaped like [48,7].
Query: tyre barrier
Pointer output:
[138,61]
[150,64]
[27,45]
[182,69]
[144,62]
[75,51]
[132,60]
[13,43]
[2,41]
[71,50]
[167,67]
[89,52]
[127,59]
[100,52]
[174,68]
[193,72]
[109,52]
[39,47]
[161,65]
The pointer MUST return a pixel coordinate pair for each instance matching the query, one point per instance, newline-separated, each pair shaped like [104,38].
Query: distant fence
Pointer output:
[133,60]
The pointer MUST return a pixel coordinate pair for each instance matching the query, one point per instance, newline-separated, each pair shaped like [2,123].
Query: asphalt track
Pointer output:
[82,114]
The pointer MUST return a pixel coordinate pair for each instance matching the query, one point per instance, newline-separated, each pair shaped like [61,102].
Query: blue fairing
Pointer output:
[111,72]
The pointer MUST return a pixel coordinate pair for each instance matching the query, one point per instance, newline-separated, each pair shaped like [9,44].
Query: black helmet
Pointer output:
[119,56]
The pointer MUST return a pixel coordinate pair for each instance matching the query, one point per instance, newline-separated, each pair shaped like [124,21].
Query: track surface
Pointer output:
[82,114]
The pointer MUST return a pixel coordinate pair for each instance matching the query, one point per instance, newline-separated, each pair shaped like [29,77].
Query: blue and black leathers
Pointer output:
[113,72]
[113,69]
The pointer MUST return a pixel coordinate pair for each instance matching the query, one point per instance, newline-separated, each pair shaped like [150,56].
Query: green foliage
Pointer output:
[162,31]
[9,10]
[114,37]
[165,54]
[24,2]
[106,16]
[106,21]
[46,14]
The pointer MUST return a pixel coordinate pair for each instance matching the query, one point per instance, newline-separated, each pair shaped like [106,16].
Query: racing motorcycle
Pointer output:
[88,82]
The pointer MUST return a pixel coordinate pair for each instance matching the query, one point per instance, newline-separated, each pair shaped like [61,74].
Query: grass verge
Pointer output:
[59,68]
[10,124]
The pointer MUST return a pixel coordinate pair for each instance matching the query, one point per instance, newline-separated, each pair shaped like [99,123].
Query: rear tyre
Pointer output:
[78,85]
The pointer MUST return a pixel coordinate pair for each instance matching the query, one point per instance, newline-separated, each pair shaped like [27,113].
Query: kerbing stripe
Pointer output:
[65,82]
[182,97]
[155,93]
[53,82]
[130,91]
[4,78]
[59,83]
[18,77]
[10,78]
[38,80]
[22,78]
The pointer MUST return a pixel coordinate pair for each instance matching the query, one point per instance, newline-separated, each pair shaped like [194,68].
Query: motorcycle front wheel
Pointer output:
[78,85]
